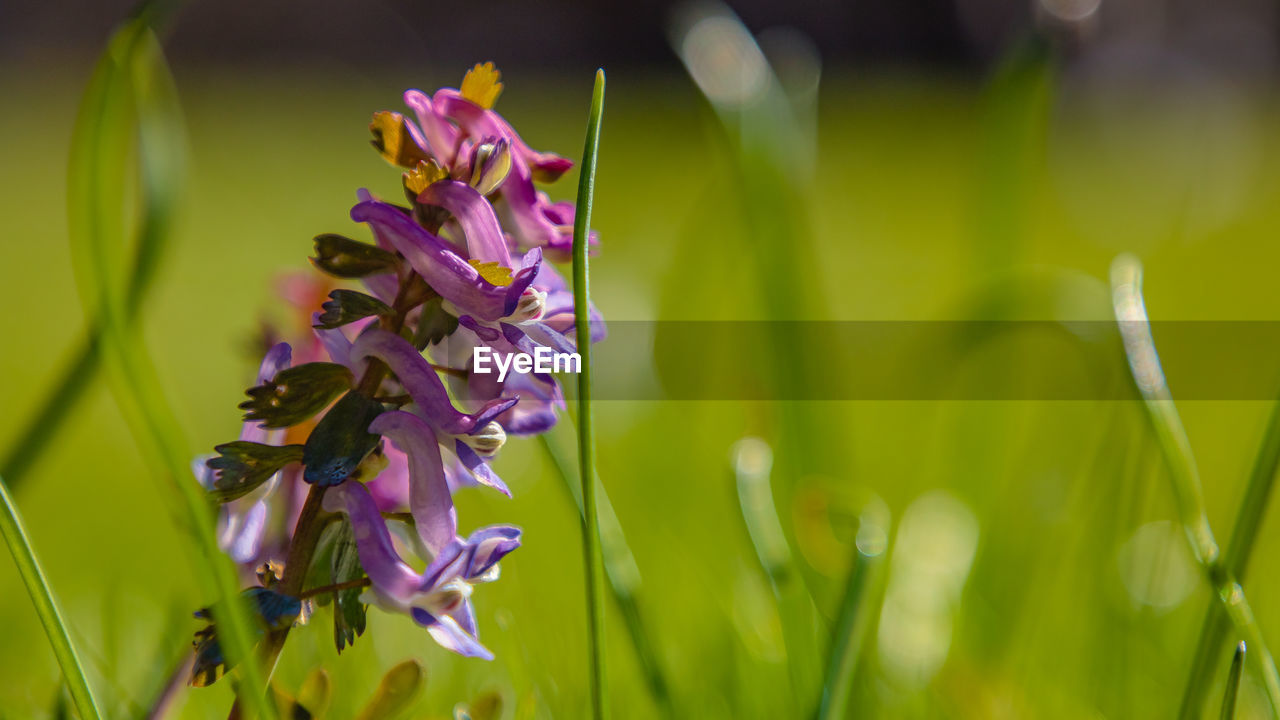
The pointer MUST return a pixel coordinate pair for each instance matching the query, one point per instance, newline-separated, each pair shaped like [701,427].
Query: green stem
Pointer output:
[622,573]
[591,552]
[1144,362]
[24,556]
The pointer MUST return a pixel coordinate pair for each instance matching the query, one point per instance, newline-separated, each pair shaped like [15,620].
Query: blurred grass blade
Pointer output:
[1144,363]
[1015,126]
[1233,683]
[1253,505]
[856,610]
[24,556]
[66,392]
[620,570]
[131,89]
[752,465]
[772,191]
[592,555]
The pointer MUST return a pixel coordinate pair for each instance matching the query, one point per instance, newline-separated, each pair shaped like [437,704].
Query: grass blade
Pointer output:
[1213,629]
[131,81]
[592,555]
[1233,683]
[24,556]
[752,466]
[856,611]
[1144,363]
[621,572]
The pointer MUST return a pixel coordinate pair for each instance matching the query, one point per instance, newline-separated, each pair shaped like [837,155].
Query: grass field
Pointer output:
[1044,575]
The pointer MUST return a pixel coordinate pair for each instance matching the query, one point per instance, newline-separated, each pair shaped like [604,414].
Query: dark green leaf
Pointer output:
[348,306]
[296,394]
[348,611]
[396,692]
[434,324]
[320,573]
[346,258]
[341,440]
[242,466]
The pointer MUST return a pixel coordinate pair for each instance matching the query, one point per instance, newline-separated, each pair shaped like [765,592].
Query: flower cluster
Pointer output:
[358,431]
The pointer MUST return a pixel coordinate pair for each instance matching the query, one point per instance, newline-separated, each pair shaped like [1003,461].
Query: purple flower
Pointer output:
[439,598]
[440,265]
[469,437]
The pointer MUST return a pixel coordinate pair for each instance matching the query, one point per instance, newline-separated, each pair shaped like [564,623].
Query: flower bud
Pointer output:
[490,163]
[488,441]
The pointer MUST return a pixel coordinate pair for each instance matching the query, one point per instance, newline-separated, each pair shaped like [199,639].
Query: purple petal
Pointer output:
[478,468]
[440,134]
[276,359]
[489,545]
[444,270]
[336,344]
[429,499]
[544,334]
[245,540]
[450,636]
[485,241]
[390,575]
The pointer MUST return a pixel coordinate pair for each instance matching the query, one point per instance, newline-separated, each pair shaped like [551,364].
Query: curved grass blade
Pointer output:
[1233,683]
[1253,505]
[856,611]
[65,394]
[131,86]
[752,466]
[592,554]
[46,605]
[1144,363]
[621,571]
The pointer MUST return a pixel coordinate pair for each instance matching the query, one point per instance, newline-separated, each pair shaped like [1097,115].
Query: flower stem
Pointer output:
[24,556]
[593,559]
[336,587]
[1144,362]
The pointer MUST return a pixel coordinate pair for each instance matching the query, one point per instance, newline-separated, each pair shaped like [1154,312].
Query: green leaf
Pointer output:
[321,570]
[46,606]
[396,692]
[348,306]
[241,466]
[296,394]
[434,324]
[346,258]
[348,611]
[341,441]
